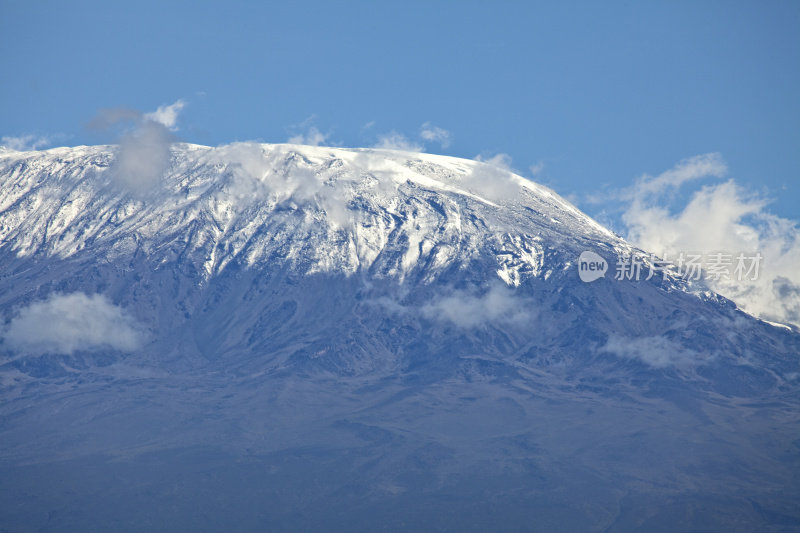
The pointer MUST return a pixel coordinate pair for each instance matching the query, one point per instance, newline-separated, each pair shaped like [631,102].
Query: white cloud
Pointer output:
[24,143]
[469,309]
[166,115]
[492,178]
[397,141]
[66,323]
[429,132]
[720,217]
[312,137]
[500,161]
[657,351]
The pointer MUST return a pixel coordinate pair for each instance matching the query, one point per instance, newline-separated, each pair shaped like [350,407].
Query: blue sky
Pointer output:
[593,93]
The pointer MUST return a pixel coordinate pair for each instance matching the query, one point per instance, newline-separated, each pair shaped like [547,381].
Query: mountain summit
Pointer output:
[293,337]
[313,210]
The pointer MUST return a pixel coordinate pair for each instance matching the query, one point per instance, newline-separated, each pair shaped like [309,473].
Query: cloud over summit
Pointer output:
[143,151]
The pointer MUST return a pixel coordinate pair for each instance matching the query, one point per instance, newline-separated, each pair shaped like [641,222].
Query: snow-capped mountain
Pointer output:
[290,337]
[308,208]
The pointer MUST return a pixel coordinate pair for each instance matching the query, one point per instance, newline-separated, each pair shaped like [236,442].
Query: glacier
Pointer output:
[287,337]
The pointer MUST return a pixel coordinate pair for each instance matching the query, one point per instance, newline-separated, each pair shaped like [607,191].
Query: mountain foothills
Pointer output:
[285,337]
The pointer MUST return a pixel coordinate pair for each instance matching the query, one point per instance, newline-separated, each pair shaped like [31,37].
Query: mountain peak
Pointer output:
[318,208]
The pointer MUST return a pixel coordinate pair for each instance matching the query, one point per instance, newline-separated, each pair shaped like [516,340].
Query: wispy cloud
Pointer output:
[66,323]
[25,143]
[397,141]
[536,169]
[719,217]
[311,137]
[500,161]
[429,132]
[656,351]
[470,309]
[493,304]
[308,134]
[108,118]
[258,172]
[700,166]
